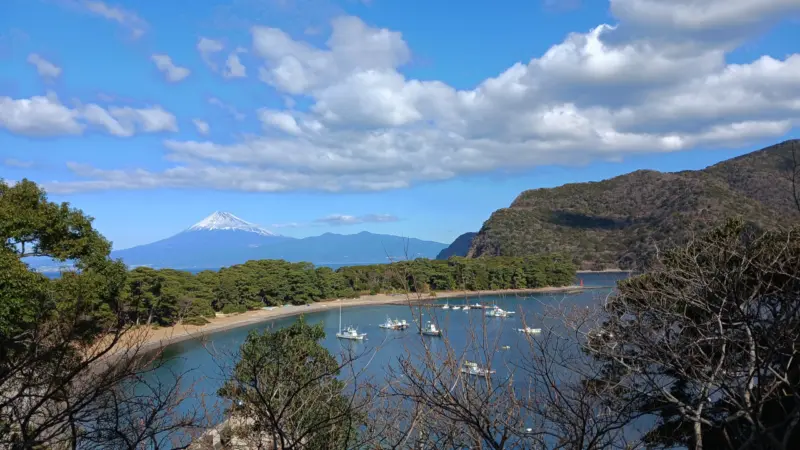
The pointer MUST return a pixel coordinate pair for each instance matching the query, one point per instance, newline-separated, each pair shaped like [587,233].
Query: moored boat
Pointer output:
[431,329]
[395,324]
[471,368]
[351,333]
[529,330]
[496,311]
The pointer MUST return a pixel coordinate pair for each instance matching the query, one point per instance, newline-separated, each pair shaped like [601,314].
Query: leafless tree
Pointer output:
[708,341]
[60,393]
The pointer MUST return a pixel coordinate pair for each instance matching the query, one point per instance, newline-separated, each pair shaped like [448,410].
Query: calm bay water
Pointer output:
[205,363]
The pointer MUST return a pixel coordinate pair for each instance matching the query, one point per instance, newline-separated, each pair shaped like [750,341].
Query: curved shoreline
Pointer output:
[162,337]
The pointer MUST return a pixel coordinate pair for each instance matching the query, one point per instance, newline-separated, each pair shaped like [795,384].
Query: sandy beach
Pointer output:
[160,337]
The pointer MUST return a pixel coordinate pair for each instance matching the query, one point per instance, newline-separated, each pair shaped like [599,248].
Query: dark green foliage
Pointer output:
[54,390]
[195,320]
[164,296]
[84,301]
[618,223]
[285,381]
[232,308]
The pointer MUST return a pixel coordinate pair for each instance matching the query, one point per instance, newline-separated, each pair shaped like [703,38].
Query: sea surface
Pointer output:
[204,364]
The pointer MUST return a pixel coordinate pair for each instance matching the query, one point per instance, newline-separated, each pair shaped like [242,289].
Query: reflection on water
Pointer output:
[206,361]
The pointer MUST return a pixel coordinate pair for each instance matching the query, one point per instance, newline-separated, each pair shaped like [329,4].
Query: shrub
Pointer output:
[231,308]
[195,320]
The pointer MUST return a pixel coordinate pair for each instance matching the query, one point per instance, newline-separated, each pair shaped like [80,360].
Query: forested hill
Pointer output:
[621,221]
[459,247]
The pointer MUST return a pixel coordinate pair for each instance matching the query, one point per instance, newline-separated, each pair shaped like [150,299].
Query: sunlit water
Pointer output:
[205,363]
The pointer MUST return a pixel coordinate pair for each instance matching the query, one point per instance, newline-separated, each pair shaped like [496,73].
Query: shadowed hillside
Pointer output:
[621,222]
[459,247]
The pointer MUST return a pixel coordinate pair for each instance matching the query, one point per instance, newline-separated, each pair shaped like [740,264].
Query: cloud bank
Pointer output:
[655,80]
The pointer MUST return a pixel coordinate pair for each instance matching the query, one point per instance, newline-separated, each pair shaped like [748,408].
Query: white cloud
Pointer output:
[38,116]
[693,15]
[46,116]
[297,67]
[44,67]
[171,71]
[289,225]
[208,49]
[126,18]
[280,120]
[344,219]
[202,126]
[234,67]
[17,163]
[610,92]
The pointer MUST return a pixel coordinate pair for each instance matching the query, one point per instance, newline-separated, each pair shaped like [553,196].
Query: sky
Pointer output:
[415,118]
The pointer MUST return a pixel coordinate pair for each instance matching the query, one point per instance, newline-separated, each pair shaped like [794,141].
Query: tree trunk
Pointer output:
[698,436]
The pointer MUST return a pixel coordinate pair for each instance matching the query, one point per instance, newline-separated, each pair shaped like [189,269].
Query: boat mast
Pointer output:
[340,317]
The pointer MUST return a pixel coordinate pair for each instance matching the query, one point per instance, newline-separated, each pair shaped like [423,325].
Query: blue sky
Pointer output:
[411,118]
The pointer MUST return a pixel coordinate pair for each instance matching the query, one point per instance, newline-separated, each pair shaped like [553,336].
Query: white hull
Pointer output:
[477,372]
[471,368]
[431,330]
[357,337]
[530,330]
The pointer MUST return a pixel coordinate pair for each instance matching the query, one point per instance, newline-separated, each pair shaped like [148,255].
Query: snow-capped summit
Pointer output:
[220,220]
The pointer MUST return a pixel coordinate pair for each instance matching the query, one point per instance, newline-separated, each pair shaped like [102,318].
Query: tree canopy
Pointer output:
[55,332]
[284,386]
[166,296]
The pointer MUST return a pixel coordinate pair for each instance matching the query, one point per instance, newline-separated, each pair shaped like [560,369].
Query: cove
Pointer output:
[204,363]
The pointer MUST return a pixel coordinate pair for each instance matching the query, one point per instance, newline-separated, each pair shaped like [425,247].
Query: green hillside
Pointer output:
[621,222]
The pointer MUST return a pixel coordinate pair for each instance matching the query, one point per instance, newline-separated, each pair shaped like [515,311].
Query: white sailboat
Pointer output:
[446,306]
[350,332]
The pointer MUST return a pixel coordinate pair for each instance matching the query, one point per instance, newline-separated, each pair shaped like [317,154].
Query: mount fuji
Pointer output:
[222,239]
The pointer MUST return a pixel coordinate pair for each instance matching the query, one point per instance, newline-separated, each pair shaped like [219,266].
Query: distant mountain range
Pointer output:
[222,239]
[619,223]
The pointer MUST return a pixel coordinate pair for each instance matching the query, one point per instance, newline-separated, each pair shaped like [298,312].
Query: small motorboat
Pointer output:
[431,329]
[498,312]
[395,324]
[529,330]
[471,368]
